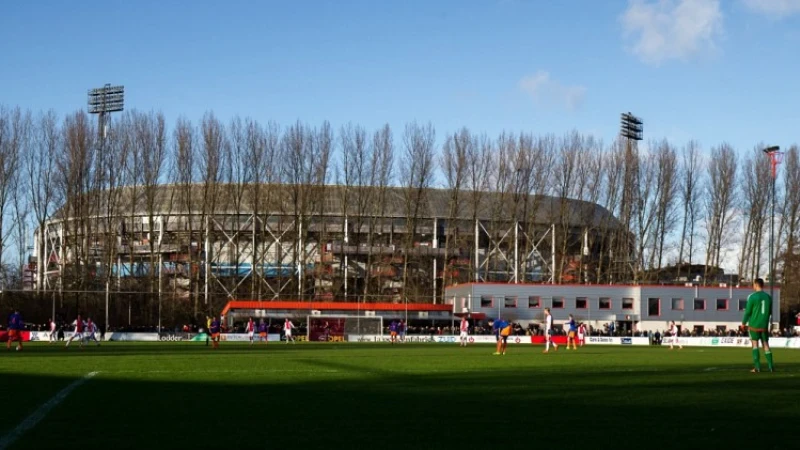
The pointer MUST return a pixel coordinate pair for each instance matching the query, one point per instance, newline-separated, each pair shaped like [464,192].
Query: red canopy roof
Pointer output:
[334,306]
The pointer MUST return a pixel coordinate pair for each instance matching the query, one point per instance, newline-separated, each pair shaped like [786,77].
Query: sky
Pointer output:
[709,70]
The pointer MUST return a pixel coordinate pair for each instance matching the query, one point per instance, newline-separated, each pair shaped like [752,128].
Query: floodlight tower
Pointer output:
[775,158]
[632,130]
[103,101]
[632,127]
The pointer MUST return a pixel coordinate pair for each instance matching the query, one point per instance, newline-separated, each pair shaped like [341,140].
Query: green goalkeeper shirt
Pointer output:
[758,310]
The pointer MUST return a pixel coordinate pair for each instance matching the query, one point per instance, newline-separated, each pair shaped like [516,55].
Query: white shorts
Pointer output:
[250,334]
[464,334]
[580,337]
[288,333]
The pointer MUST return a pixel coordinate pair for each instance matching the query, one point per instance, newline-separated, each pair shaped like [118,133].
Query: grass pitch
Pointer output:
[412,396]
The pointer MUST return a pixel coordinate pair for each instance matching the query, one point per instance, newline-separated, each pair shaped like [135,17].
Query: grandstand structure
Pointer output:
[320,242]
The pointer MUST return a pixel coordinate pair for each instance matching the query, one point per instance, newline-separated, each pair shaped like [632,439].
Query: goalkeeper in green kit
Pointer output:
[757,317]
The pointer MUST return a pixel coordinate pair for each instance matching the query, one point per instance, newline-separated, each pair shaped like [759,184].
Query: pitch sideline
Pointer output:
[32,420]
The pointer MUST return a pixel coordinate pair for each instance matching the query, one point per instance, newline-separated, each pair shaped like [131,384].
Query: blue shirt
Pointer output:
[572,325]
[215,326]
[15,321]
[393,326]
[499,325]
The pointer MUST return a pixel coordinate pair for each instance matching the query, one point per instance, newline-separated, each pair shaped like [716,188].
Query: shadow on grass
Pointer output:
[493,408]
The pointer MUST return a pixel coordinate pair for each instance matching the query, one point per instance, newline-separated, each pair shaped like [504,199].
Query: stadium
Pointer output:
[253,242]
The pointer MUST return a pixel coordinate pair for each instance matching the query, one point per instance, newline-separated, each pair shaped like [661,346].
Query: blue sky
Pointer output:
[692,69]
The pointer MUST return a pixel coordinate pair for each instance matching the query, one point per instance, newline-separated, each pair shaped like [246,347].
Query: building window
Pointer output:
[722,329]
[653,307]
[511,302]
[534,302]
[558,302]
[605,303]
[627,303]
[486,301]
[581,303]
[677,304]
[699,304]
[742,304]
[722,304]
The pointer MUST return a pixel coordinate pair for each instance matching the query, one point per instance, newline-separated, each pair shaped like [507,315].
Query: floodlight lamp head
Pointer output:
[772,149]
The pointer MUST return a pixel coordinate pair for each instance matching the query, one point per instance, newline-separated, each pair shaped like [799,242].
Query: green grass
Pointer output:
[185,396]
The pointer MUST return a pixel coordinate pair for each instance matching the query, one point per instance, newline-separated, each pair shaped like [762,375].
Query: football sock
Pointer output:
[769,359]
[756,359]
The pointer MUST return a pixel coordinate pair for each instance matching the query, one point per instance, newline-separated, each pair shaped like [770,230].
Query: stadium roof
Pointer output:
[399,202]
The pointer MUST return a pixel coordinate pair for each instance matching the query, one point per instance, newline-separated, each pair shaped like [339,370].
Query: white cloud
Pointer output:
[666,30]
[774,8]
[543,89]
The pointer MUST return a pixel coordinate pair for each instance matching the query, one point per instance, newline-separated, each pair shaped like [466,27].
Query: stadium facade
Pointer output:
[320,242]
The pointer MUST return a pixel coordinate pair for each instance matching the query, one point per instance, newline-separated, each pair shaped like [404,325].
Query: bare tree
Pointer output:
[630,201]
[261,144]
[20,202]
[755,191]
[454,163]
[112,159]
[789,254]
[355,195]
[184,175]
[323,150]
[237,178]
[589,189]
[538,174]
[417,168]
[76,165]
[480,166]
[504,180]
[381,166]
[645,200]
[567,186]
[271,194]
[691,175]
[211,168]
[720,198]
[40,171]
[615,246]
[667,170]
[306,155]
[150,144]
[15,133]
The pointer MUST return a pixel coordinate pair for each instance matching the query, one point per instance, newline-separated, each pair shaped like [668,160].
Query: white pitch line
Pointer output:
[40,413]
[359,371]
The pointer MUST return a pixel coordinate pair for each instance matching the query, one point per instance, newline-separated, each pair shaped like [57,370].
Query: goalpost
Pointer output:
[337,328]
